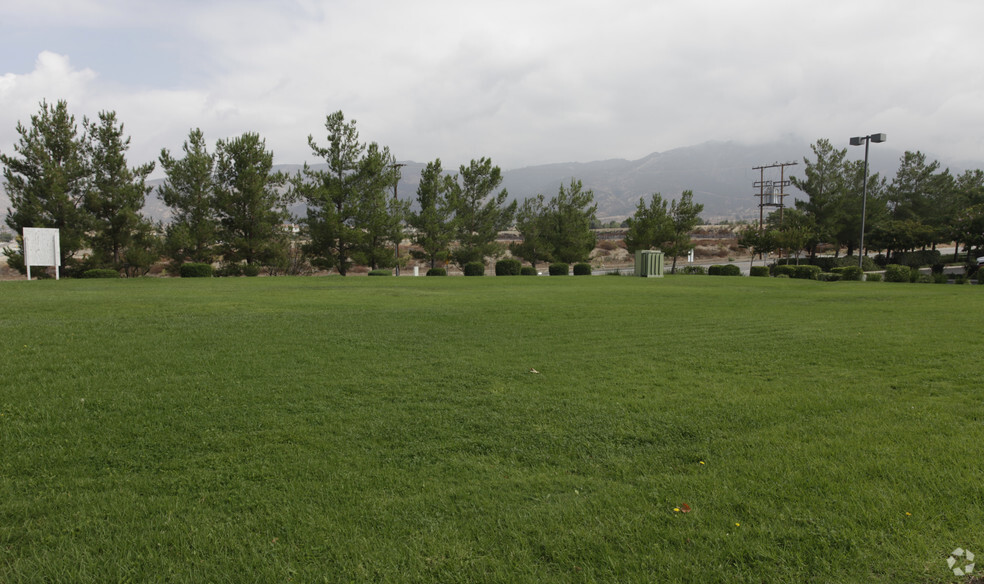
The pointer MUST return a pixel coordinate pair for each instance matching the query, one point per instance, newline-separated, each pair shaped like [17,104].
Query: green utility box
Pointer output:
[649,264]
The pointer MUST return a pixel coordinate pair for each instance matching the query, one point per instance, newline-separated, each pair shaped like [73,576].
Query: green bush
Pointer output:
[614,273]
[850,273]
[724,270]
[381,272]
[582,269]
[193,270]
[693,271]
[806,272]
[100,273]
[474,269]
[508,267]
[827,264]
[251,270]
[924,279]
[229,270]
[437,272]
[527,271]
[918,259]
[559,269]
[829,277]
[759,271]
[783,270]
[897,273]
[873,277]
[940,278]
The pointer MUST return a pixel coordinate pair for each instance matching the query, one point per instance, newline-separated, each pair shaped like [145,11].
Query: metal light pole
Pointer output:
[877,139]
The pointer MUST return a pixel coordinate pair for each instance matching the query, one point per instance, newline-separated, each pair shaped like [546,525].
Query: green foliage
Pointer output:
[918,259]
[783,270]
[195,270]
[437,272]
[248,201]
[433,224]
[251,270]
[531,219]
[582,269]
[567,228]
[897,273]
[759,271]
[46,180]
[684,216]
[924,279]
[480,212]
[351,216]
[474,269]
[873,277]
[650,225]
[188,191]
[100,273]
[693,270]
[508,267]
[527,271]
[380,272]
[940,278]
[851,273]
[724,270]
[829,277]
[806,272]
[559,269]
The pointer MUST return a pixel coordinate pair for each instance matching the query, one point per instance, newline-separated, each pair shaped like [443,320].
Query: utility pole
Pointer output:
[767,195]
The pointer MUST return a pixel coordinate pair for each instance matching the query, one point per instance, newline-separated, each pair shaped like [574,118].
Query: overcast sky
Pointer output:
[522,82]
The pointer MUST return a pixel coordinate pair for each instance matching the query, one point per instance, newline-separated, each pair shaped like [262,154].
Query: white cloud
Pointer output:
[525,82]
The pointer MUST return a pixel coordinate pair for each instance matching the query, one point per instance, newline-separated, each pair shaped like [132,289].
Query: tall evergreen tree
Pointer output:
[340,197]
[531,219]
[568,223]
[650,226]
[46,179]
[380,214]
[824,186]
[480,213]
[189,191]
[248,200]
[684,214]
[433,224]
[116,193]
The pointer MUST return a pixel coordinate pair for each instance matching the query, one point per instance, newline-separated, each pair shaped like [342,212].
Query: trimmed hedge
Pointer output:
[527,271]
[100,273]
[873,277]
[807,272]
[437,272]
[897,273]
[559,269]
[851,273]
[827,264]
[724,270]
[917,259]
[582,269]
[759,271]
[693,271]
[474,269]
[829,277]
[783,270]
[193,270]
[379,272]
[507,267]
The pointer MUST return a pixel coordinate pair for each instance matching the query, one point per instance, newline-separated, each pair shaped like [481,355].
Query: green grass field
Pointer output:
[390,430]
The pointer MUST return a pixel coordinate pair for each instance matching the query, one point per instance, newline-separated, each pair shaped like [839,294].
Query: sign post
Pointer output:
[42,247]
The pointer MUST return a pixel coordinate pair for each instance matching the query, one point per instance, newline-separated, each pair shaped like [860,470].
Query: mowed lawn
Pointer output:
[391,430]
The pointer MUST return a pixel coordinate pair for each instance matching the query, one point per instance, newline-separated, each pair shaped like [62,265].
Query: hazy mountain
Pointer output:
[720,174]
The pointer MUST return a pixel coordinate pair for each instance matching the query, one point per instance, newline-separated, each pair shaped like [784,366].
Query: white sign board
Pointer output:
[41,248]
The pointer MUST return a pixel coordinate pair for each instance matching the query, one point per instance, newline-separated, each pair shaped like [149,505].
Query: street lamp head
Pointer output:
[857,141]
[877,138]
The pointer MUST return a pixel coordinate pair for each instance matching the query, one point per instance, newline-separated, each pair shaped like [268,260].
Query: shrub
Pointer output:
[380,272]
[806,272]
[559,269]
[897,273]
[918,259]
[828,263]
[724,270]
[759,271]
[850,273]
[786,270]
[251,270]
[474,269]
[229,270]
[937,268]
[924,278]
[829,277]
[940,278]
[100,273]
[193,270]
[614,273]
[437,272]
[873,277]
[507,267]
[582,269]
[961,279]
[527,271]
[693,270]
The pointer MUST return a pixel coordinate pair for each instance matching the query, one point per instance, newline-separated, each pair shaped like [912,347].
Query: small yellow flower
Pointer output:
[676,509]
[908,514]
[702,462]
[737,524]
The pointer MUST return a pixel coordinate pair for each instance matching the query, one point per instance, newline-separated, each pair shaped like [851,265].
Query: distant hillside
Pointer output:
[720,174]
